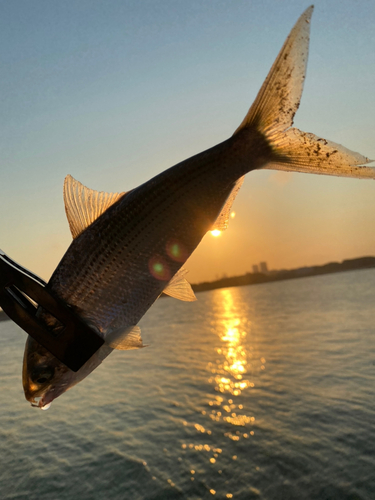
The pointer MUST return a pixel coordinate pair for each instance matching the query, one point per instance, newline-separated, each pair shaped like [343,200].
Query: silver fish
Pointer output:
[129,248]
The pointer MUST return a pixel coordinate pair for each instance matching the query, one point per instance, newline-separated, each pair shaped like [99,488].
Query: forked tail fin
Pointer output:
[272,114]
[275,106]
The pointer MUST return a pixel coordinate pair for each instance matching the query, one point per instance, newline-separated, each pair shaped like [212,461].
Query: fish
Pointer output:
[129,248]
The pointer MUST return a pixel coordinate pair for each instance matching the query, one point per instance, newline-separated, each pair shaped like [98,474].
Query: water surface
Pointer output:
[260,392]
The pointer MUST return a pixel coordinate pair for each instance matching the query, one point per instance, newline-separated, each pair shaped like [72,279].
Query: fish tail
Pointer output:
[273,111]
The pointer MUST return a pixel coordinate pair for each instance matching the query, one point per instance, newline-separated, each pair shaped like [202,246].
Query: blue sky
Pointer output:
[115,92]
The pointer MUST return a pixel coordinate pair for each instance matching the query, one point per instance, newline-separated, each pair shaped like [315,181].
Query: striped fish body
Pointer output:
[116,269]
[132,249]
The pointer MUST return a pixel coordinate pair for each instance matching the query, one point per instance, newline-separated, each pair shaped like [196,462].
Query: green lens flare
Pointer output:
[158,267]
[175,250]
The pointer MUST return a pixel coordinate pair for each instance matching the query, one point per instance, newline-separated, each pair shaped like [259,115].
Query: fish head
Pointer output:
[45,378]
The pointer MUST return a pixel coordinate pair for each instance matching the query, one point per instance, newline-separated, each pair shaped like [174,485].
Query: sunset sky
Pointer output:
[115,92]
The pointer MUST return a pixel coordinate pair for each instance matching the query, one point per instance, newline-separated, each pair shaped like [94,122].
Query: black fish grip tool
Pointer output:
[21,292]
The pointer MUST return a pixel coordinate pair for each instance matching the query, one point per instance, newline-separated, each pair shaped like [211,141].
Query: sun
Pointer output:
[216,233]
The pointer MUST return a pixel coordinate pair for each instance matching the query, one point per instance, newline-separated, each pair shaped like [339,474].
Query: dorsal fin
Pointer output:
[221,222]
[83,205]
[125,338]
[179,287]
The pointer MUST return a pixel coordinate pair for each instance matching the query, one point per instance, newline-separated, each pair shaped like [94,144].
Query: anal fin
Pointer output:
[221,222]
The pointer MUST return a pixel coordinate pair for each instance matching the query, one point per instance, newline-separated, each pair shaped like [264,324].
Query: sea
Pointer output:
[258,392]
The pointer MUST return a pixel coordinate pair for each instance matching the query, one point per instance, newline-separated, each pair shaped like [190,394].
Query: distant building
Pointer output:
[255,269]
[263,267]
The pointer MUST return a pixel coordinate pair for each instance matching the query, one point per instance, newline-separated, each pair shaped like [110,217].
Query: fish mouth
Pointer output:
[41,402]
[43,397]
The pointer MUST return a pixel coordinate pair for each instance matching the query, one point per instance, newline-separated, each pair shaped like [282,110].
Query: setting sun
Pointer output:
[216,233]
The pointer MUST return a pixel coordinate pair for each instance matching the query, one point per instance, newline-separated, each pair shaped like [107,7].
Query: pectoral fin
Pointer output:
[83,205]
[125,339]
[180,288]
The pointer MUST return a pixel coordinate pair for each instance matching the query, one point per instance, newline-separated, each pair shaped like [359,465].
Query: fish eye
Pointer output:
[42,374]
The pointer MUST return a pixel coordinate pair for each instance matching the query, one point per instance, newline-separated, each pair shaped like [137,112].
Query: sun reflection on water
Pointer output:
[230,372]
[227,410]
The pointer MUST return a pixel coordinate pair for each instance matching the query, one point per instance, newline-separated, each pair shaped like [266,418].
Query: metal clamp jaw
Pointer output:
[74,344]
